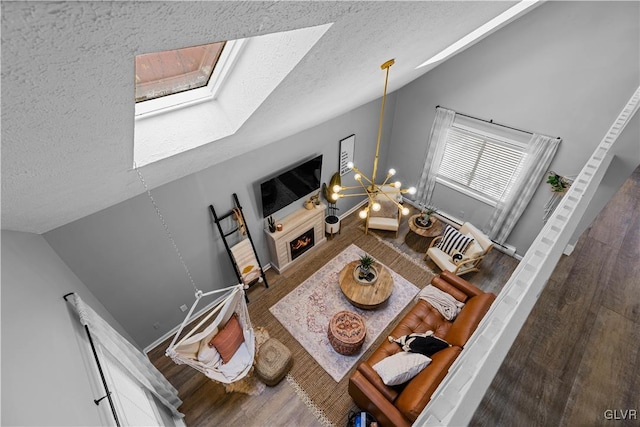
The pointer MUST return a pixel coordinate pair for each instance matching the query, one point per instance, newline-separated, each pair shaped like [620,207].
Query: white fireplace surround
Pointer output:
[293,226]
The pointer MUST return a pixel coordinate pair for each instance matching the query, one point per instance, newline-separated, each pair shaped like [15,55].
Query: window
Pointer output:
[166,73]
[243,77]
[178,78]
[480,164]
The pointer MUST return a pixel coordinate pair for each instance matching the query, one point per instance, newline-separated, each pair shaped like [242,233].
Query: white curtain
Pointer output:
[129,357]
[437,142]
[540,151]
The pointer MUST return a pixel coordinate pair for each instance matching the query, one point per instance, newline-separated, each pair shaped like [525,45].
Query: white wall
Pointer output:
[124,256]
[565,69]
[45,378]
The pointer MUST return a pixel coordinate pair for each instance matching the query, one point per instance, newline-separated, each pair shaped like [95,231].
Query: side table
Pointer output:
[434,230]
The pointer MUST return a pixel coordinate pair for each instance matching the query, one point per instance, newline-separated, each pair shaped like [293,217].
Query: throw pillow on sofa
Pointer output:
[400,367]
[426,343]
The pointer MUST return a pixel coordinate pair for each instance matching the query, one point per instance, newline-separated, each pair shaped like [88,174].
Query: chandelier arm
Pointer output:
[356,170]
[351,187]
[386,180]
[354,194]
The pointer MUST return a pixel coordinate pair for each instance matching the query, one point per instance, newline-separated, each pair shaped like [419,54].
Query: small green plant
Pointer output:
[428,211]
[366,262]
[558,184]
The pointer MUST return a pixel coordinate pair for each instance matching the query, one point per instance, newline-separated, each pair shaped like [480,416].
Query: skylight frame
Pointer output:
[226,61]
[169,131]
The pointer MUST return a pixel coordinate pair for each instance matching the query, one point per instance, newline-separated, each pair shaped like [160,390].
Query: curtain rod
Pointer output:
[491,122]
[104,381]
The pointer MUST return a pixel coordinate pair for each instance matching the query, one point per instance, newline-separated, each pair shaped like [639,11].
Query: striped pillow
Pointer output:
[453,241]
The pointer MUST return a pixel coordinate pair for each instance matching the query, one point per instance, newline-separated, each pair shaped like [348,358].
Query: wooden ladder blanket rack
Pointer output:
[246,277]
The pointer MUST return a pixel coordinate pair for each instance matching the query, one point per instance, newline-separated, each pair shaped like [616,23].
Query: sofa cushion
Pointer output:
[445,286]
[388,209]
[390,224]
[442,259]
[422,318]
[468,319]
[418,391]
[400,367]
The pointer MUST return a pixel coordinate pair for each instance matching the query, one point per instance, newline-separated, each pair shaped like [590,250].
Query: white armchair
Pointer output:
[387,218]
[465,262]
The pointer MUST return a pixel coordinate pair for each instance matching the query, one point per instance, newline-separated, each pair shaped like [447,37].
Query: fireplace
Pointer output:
[301,244]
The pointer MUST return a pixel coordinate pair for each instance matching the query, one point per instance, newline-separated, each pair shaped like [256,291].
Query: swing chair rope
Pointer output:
[166,227]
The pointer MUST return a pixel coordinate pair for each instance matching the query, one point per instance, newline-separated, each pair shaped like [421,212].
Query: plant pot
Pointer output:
[331,224]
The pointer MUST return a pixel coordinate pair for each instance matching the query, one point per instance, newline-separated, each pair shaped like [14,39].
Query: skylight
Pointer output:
[243,77]
[166,73]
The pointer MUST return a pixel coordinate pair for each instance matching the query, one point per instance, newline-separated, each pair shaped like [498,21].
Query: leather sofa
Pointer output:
[400,405]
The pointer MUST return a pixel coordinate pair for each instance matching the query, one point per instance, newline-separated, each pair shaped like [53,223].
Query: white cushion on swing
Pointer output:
[237,363]
[208,355]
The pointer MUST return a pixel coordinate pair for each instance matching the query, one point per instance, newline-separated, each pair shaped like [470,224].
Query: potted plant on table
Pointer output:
[424,220]
[366,262]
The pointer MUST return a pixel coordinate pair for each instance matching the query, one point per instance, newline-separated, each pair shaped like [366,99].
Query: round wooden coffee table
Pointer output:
[434,230]
[365,296]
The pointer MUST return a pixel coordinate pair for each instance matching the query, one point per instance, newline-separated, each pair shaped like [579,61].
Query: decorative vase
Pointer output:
[365,276]
[423,223]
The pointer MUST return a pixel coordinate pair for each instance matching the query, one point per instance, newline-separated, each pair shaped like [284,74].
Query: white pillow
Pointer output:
[401,367]
[207,354]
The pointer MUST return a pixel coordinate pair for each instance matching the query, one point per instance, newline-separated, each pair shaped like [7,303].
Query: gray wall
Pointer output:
[45,378]
[565,69]
[124,256]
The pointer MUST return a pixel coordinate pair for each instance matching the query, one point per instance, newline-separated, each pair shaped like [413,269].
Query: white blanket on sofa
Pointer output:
[447,305]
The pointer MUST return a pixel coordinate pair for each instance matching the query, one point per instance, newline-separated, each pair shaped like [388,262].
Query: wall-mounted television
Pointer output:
[291,185]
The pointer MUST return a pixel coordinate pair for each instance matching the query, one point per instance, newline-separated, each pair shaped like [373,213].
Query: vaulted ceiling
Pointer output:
[68,86]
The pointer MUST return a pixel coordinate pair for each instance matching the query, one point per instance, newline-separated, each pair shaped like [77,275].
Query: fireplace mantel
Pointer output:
[293,226]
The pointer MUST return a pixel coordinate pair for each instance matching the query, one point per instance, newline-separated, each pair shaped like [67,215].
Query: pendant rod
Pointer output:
[386,66]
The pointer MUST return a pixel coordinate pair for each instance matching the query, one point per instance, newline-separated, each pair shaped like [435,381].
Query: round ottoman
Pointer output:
[273,362]
[346,332]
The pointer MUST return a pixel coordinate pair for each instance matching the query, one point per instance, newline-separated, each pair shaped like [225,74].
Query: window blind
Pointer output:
[480,163]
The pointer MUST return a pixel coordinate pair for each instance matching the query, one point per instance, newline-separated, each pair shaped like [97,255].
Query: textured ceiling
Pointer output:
[67,86]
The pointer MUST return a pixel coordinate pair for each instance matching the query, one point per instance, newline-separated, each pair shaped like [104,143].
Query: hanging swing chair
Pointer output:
[224,350]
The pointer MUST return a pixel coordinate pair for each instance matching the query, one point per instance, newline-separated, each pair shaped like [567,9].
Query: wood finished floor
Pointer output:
[577,355]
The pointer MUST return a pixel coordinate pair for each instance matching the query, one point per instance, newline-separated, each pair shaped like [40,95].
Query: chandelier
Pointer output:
[391,190]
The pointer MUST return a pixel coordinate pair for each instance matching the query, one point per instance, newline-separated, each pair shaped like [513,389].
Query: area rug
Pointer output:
[305,312]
